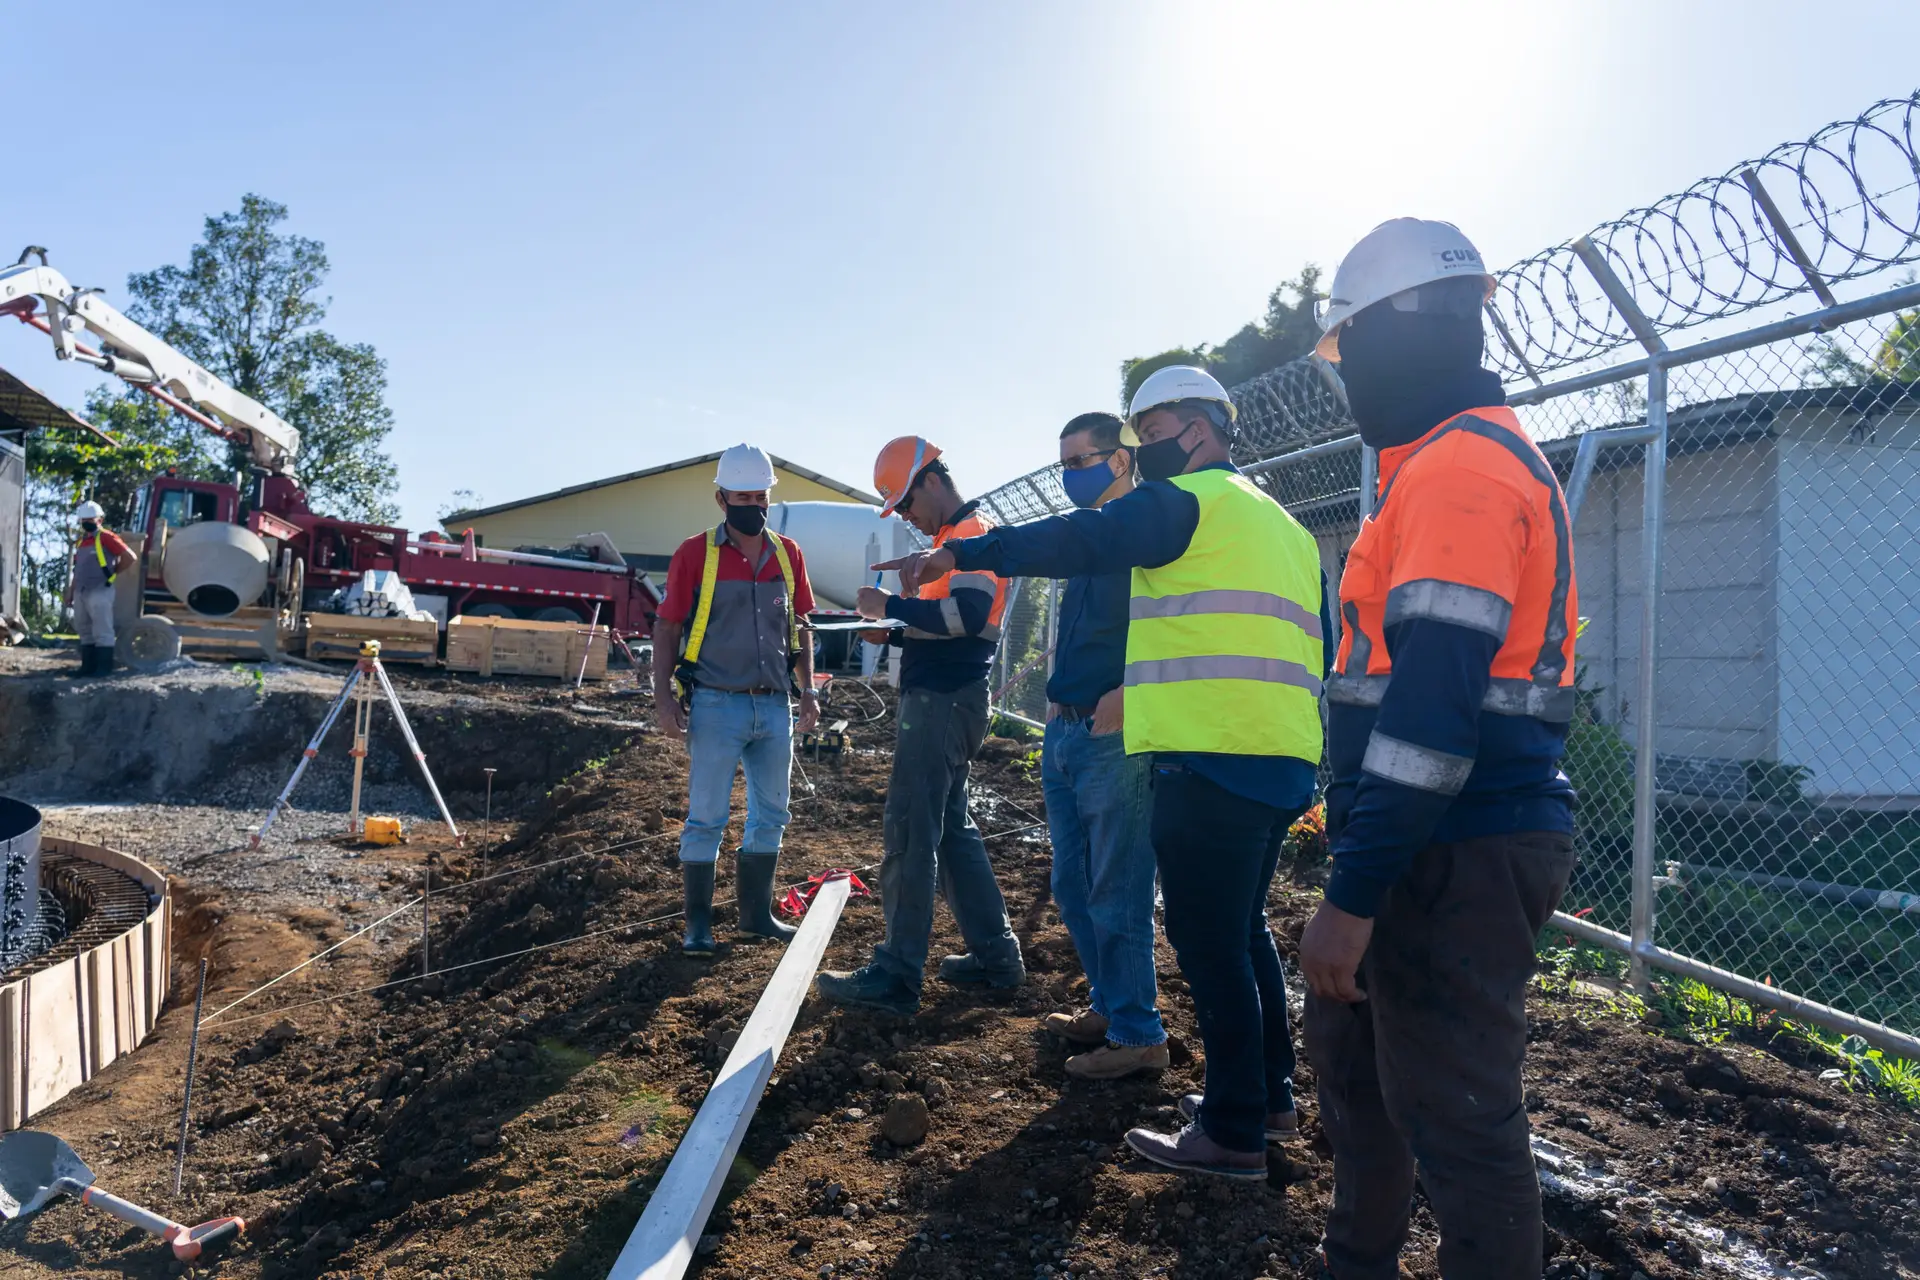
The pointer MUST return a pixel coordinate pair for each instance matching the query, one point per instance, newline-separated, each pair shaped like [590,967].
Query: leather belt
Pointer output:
[1071,714]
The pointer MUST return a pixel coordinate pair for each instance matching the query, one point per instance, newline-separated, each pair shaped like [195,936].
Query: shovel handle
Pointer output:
[127,1211]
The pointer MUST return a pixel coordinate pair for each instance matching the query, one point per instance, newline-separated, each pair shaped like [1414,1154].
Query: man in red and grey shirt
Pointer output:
[98,558]
[729,647]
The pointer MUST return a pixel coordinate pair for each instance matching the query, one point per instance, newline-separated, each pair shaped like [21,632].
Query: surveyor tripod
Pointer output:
[359,690]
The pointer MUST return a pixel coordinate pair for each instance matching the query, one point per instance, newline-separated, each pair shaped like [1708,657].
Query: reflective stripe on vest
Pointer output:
[710,575]
[1532,672]
[942,588]
[1224,645]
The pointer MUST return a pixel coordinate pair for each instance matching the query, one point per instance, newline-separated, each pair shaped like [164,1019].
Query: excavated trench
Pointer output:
[225,736]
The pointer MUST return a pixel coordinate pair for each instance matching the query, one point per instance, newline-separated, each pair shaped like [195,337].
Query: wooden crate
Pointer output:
[241,636]
[340,635]
[511,647]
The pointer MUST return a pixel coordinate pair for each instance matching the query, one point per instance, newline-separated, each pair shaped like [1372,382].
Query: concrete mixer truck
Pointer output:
[217,550]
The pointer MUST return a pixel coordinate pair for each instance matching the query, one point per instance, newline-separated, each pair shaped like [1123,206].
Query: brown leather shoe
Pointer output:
[1118,1061]
[1192,1151]
[1281,1125]
[1084,1027]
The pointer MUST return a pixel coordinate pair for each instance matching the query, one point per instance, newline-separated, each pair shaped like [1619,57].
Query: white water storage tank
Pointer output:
[839,540]
[19,878]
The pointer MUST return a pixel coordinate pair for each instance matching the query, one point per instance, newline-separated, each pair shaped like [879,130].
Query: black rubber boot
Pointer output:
[756,896]
[103,659]
[89,664]
[697,880]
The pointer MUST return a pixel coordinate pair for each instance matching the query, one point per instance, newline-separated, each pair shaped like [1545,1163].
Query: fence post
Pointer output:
[1653,506]
[1369,480]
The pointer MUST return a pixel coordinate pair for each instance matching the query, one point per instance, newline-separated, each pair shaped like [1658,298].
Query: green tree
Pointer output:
[248,306]
[1286,332]
[1898,359]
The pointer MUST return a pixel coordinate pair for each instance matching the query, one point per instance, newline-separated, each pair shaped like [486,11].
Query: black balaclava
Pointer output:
[1408,371]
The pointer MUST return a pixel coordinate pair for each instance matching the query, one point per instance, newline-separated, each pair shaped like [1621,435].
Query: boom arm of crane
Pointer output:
[131,353]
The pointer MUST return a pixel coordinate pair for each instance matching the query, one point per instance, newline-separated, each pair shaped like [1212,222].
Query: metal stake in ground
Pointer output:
[186,1101]
[593,629]
[366,672]
[487,849]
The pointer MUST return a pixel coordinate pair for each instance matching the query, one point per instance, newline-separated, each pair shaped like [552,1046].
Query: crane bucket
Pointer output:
[215,569]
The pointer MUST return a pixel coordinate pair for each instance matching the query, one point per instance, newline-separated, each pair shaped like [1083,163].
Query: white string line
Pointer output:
[318,956]
[542,946]
[464,884]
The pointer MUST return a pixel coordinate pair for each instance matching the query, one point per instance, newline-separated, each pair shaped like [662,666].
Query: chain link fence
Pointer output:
[1746,743]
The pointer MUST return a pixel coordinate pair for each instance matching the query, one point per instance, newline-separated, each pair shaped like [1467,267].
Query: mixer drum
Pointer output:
[215,569]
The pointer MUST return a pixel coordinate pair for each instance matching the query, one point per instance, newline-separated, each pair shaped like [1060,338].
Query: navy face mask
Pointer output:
[1085,484]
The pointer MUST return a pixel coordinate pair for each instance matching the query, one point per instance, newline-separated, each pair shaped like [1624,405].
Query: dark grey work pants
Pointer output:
[931,842]
[1426,1070]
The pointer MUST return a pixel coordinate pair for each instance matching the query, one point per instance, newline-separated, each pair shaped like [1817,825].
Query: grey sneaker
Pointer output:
[869,988]
[1192,1151]
[1281,1125]
[971,971]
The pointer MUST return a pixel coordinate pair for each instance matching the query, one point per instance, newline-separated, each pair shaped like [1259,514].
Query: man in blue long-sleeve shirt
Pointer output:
[1098,802]
[1224,662]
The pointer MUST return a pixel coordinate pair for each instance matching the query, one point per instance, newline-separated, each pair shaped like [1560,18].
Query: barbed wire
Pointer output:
[1851,194]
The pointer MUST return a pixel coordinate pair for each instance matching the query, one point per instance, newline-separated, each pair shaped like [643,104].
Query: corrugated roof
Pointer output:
[24,409]
[803,472]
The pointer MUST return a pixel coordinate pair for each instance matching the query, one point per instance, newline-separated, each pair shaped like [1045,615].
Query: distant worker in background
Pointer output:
[738,597]
[1450,819]
[951,628]
[99,558]
[1098,802]
[1224,661]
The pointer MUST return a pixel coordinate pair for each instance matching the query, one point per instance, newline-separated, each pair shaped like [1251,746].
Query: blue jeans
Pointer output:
[724,731]
[1098,812]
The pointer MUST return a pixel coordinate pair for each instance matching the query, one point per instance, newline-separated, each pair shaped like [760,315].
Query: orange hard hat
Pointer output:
[899,463]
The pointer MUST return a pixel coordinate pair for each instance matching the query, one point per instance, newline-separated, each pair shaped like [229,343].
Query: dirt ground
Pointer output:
[507,1117]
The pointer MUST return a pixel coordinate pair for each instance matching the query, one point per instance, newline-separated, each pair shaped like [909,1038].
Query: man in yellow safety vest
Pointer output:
[1224,660]
[738,596]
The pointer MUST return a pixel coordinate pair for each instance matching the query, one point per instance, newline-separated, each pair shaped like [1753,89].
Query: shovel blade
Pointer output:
[34,1168]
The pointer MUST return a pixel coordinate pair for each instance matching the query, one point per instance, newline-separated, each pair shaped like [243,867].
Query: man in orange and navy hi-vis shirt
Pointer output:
[1451,821]
[951,628]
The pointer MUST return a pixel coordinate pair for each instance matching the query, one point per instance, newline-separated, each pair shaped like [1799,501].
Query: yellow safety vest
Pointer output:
[703,609]
[1224,646]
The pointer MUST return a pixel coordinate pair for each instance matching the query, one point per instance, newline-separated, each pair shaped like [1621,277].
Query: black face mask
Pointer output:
[746,518]
[1163,459]
[90,526]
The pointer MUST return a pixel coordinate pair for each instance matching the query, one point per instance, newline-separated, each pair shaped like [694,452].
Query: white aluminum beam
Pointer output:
[661,1246]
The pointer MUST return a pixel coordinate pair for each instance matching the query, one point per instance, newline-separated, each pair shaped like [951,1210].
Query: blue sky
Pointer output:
[593,238]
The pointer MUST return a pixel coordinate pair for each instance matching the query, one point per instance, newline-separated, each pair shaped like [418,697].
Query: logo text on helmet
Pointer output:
[1455,259]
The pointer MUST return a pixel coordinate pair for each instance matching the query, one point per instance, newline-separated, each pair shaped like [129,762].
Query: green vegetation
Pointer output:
[1691,1010]
[1286,332]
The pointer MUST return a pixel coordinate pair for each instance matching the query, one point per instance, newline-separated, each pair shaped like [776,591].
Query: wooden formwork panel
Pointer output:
[60,1025]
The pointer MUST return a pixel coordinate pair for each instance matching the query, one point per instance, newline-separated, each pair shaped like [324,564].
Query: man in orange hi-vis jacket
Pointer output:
[950,628]
[1451,821]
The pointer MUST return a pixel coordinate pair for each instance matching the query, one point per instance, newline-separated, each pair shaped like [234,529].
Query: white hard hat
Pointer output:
[745,469]
[1171,385]
[89,511]
[1394,257]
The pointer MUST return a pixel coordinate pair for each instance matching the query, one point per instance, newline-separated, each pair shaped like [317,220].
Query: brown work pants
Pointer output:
[1426,1070]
